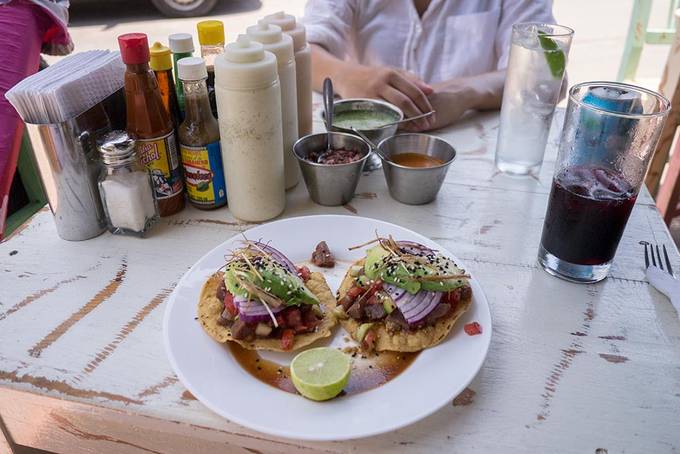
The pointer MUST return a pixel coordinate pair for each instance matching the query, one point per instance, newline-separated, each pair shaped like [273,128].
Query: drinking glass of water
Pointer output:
[536,69]
[610,133]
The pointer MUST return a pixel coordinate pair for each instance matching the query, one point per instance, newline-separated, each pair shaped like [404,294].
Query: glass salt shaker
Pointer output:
[125,187]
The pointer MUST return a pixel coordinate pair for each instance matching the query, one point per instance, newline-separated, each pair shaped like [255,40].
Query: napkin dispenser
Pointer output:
[68,161]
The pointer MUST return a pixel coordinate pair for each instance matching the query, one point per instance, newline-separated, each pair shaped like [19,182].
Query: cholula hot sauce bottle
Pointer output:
[149,123]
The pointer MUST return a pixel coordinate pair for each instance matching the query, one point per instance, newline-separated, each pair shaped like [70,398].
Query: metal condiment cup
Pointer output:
[415,185]
[376,134]
[330,184]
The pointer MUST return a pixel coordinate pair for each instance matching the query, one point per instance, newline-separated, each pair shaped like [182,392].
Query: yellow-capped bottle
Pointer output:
[161,64]
[211,39]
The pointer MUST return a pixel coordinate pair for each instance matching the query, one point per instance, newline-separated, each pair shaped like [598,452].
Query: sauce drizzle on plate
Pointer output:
[367,372]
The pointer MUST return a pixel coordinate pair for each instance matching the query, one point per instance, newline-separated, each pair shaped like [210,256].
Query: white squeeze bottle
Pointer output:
[303,67]
[281,46]
[249,104]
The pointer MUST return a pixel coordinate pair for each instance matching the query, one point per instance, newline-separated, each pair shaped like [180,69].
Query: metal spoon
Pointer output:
[328,107]
[405,120]
[370,143]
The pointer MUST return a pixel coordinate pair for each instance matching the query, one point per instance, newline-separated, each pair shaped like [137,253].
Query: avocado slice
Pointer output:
[362,331]
[442,286]
[375,268]
[272,278]
[374,261]
[388,303]
[406,276]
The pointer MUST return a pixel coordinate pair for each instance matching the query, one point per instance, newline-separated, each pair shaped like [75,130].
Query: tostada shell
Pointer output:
[403,341]
[210,308]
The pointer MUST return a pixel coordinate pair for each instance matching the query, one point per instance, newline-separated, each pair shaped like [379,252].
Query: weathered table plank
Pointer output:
[572,368]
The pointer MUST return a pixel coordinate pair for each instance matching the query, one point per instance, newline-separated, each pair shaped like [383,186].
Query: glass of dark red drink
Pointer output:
[609,135]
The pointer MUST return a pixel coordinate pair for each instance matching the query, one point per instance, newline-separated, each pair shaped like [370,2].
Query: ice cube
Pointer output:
[608,181]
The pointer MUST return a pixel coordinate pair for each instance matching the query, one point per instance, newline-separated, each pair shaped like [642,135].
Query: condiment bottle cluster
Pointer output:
[218,129]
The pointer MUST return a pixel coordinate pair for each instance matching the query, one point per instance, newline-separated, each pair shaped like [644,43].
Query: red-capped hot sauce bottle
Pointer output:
[149,123]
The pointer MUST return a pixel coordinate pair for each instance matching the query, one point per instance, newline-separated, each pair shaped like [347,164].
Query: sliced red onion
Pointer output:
[278,257]
[394,291]
[433,300]
[416,307]
[251,311]
[414,248]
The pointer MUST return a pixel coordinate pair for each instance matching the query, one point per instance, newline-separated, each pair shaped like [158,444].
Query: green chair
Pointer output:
[639,35]
[27,172]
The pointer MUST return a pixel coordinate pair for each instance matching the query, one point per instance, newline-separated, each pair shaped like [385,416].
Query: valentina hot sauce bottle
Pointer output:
[199,139]
[149,123]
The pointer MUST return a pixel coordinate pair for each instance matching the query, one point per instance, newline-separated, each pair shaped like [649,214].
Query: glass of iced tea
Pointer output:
[610,133]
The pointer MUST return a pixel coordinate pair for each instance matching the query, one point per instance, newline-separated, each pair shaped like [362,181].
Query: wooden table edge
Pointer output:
[61,425]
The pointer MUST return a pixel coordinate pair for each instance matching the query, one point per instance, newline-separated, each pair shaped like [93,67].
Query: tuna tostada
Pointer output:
[403,296]
[264,302]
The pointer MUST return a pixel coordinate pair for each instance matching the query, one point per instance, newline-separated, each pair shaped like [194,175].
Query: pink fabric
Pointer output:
[23,26]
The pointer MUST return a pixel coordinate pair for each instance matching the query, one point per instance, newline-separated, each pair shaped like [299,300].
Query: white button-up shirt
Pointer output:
[453,38]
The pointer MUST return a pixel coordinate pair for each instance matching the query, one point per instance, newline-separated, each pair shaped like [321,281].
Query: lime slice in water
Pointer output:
[553,55]
[320,373]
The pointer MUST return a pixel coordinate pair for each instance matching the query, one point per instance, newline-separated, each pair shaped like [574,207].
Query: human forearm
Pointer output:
[481,92]
[325,64]
[452,98]
[354,80]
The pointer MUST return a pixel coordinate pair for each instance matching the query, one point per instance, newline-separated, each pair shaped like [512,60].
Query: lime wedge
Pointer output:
[553,55]
[320,373]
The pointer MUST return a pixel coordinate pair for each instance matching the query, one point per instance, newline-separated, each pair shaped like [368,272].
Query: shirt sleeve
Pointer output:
[329,23]
[516,11]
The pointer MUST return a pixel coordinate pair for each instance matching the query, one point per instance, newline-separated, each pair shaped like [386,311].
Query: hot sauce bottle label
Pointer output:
[159,155]
[203,174]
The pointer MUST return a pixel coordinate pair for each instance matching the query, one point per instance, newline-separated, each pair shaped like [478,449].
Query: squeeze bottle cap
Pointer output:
[134,48]
[245,64]
[210,32]
[283,20]
[181,43]
[160,57]
[244,50]
[264,32]
[274,41]
[191,68]
[290,27]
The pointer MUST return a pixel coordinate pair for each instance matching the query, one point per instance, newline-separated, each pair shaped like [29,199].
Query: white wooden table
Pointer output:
[572,368]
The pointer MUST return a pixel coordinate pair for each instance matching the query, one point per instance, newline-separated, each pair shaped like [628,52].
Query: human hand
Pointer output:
[403,89]
[450,105]
[452,98]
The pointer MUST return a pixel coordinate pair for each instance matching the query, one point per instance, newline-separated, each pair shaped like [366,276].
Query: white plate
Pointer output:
[210,372]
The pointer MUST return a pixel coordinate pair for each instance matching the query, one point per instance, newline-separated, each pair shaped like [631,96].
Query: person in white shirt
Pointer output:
[446,55]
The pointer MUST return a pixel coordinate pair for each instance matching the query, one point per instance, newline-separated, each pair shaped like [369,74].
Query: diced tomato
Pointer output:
[373,300]
[354,292]
[346,302]
[287,339]
[473,328]
[452,297]
[293,317]
[369,340]
[229,304]
[304,273]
